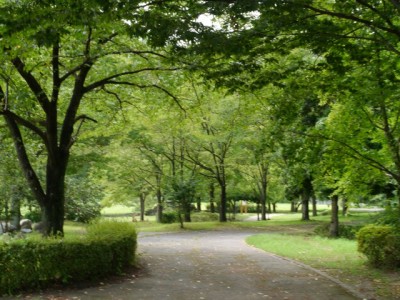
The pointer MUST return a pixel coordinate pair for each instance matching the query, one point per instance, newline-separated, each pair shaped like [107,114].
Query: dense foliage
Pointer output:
[108,248]
[188,100]
[380,244]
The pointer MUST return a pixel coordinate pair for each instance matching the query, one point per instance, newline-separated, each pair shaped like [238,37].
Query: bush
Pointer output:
[345,231]
[107,249]
[204,217]
[169,217]
[33,215]
[82,210]
[380,244]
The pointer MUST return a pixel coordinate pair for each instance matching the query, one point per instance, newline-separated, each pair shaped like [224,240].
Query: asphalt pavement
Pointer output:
[211,265]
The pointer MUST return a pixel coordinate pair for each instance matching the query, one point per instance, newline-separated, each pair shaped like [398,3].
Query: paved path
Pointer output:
[212,265]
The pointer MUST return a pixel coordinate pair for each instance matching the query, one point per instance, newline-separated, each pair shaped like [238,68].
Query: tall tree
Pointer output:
[73,54]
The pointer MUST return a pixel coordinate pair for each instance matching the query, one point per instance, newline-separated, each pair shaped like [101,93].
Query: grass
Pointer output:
[337,257]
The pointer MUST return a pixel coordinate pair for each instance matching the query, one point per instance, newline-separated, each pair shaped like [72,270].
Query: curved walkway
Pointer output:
[212,265]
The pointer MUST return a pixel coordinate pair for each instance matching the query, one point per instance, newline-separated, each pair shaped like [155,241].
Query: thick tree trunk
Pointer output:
[53,208]
[305,211]
[334,226]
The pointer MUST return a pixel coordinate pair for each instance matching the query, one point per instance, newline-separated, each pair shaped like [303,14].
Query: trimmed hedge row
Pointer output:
[380,244]
[106,249]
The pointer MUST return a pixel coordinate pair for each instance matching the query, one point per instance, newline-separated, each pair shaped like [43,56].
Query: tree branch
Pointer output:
[32,83]
[353,18]
[25,123]
[144,86]
[109,79]
[26,166]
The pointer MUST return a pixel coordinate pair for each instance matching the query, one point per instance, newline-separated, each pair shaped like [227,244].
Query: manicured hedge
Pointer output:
[106,249]
[380,244]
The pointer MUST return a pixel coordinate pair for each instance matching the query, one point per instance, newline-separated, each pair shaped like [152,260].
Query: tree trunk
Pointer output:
[198,204]
[314,205]
[159,207]
[344,206]
[305,211]
[222,212]
[307,191]
[263,169]
[159,199]
[263,199]
[187,212]
[15,211]
[212,198]
[334,226]
[142,198]
[293,207]
[53,208]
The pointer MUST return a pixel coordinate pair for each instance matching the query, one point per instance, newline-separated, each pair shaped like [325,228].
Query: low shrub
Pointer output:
[380,244]
[204,217]
[169,217]
[345,231]
[28,263]
[34,215]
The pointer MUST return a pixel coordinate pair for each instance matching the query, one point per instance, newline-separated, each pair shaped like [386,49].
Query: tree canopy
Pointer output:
[301,94]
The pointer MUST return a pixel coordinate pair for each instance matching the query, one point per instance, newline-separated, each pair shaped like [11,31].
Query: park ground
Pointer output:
[192,263]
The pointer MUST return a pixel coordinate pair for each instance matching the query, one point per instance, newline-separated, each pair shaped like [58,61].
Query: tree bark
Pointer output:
[187,209]
[142,198]
[314,205]
[212,198]
[198,204]
[334,226]
[53,208]
[307,191]
[263,170]
[15,211]
[293,207]
[345,207]
[222,212]
[305,211]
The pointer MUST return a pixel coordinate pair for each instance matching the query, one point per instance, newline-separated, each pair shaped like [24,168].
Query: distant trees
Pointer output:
[306,101]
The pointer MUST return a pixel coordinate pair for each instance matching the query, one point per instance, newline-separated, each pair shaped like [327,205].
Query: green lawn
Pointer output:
[337,257]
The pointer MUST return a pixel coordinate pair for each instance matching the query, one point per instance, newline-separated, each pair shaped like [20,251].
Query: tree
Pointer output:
[216,120]
[74,54]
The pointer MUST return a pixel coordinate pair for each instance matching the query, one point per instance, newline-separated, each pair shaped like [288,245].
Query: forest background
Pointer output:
[178,102]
